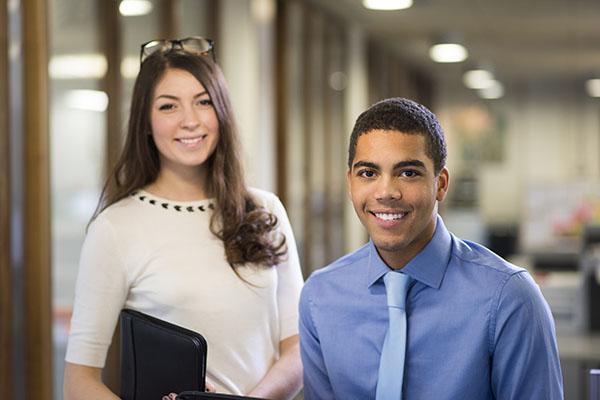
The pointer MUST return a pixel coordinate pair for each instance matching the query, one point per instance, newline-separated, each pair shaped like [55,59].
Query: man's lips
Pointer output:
[389,215]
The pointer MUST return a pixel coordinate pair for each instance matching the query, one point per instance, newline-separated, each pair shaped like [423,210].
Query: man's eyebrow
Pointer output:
[409,163]
[366,164]
[398,165]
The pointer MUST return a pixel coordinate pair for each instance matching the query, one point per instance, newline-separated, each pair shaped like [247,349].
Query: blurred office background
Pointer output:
[519,99]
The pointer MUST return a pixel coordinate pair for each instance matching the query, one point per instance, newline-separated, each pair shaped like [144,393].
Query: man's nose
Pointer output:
[388,188]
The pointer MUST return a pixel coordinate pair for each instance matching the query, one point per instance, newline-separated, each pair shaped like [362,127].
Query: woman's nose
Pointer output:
[190,120]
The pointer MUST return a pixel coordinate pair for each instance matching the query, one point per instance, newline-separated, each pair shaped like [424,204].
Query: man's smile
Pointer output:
[389,216]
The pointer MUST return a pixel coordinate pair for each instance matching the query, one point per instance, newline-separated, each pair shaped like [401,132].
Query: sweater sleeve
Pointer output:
[100,293]
[289,275]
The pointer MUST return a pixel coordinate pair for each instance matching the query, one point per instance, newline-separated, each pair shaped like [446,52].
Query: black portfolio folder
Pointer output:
[158,357]
[212,396]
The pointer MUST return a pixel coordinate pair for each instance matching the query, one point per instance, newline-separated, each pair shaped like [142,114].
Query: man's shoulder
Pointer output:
[339,277]
[509,284]
[341,270]
[477,255]
[338,266]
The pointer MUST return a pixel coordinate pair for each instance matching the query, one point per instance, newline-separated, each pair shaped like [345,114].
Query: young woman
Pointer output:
[179,236]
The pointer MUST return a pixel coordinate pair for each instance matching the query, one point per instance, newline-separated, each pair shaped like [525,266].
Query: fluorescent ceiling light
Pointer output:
[592,87]
[387,4]
[130,66]
[13,6]
[448,53]
[89,100]
[263,10]
[78,66]
[495,91]
[132,8]
[478,79]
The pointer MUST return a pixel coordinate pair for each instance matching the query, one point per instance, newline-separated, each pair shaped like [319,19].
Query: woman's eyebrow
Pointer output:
[173,97]
[201,94]
[167,96]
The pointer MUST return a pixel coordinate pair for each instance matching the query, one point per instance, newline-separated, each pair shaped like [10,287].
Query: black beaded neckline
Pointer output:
[190,207]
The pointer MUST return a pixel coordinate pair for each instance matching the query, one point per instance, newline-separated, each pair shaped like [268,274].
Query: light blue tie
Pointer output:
[391,364]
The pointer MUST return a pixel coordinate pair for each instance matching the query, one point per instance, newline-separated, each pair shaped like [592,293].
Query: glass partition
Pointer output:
[78,136]
[77,142]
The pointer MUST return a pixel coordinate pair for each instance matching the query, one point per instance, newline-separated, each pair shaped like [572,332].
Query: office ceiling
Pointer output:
[524,41]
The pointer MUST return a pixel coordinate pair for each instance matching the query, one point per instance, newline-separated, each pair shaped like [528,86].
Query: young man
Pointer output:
[475,326]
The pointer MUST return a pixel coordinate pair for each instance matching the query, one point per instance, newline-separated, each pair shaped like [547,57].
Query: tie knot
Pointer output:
[396,286]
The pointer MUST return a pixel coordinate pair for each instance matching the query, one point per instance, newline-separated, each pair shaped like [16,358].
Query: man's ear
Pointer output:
[348,185]
[443,179]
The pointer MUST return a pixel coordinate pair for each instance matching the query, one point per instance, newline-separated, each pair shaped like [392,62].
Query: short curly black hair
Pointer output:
[406,116]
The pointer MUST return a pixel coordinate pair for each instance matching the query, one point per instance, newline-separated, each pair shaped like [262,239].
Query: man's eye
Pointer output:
[409,174]
[366,174]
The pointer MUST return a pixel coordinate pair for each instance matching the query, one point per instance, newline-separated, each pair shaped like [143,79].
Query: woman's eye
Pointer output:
[166,107]
[205,102]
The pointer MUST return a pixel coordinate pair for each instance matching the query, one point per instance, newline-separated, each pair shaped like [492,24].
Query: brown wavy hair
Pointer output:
[247,230]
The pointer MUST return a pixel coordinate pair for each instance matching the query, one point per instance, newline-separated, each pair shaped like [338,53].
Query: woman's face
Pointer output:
[184,123]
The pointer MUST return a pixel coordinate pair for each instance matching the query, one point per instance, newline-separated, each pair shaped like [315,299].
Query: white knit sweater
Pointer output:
[159,257]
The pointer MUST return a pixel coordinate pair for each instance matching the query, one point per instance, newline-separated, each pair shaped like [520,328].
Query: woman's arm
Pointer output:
[82,382]
[284,379]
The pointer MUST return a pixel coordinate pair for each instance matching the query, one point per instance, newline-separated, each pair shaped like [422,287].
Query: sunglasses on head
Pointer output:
[194,44]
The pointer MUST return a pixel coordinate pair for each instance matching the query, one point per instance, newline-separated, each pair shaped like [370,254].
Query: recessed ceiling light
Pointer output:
[494,91]
[478,79]
[592,87]
[448,53]
[132,8]
[338,81]
[387,4]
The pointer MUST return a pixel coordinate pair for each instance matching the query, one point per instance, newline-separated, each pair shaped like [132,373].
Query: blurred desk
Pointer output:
[578,354]
[579,347]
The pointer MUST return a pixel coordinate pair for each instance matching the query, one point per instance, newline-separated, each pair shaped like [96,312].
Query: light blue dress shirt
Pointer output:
[478,327]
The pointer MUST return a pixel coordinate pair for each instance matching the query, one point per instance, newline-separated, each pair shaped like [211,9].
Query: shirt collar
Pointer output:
[428,267]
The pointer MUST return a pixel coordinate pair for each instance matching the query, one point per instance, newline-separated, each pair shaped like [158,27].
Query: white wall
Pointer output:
[552,136]
[357,100]
[244,52]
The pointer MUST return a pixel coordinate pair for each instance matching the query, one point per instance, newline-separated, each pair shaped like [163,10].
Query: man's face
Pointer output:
[395,192]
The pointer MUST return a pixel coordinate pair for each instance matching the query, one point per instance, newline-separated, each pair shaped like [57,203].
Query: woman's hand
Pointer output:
[209,388]
[284,379]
